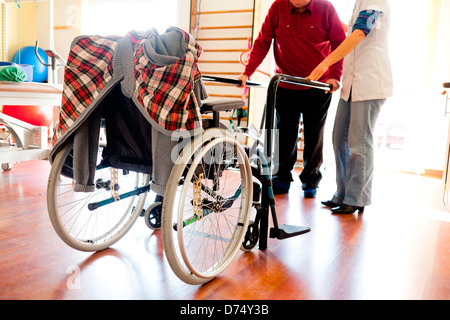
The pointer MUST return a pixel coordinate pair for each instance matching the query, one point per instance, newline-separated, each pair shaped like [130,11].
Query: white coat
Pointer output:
[367,69]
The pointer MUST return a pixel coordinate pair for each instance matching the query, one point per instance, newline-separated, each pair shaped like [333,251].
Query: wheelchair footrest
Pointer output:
[287,231]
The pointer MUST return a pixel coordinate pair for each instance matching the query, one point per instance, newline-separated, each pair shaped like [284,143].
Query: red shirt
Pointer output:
[301,40]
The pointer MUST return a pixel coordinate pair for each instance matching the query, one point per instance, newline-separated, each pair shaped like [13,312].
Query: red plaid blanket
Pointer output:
[164,91]
[88,70]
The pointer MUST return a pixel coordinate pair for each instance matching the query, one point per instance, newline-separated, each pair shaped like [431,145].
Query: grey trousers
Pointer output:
[354,151]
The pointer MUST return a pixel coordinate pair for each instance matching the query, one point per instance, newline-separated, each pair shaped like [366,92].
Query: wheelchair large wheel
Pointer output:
[206,206]
[93,221]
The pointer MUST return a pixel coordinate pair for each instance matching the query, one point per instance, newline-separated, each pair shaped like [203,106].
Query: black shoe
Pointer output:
[330,204]
[280,186]
[310,193]
[346,209]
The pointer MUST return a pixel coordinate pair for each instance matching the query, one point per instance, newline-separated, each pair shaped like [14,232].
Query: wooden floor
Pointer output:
[398,249]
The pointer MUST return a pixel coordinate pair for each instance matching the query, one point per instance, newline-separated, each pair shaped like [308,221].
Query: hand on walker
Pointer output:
[243,78]
[318,72]
[335,85]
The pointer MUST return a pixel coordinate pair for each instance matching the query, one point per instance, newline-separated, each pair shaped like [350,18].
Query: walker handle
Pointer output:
[303,82]
[235,82]
[280,78]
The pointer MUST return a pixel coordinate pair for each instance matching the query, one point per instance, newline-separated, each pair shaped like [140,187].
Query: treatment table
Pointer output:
[31,142]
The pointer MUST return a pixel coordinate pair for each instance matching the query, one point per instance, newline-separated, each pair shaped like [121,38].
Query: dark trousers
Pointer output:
[290,105]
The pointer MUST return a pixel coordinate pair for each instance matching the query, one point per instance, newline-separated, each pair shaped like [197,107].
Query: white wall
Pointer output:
[67,22]
[258,96]
[184,14]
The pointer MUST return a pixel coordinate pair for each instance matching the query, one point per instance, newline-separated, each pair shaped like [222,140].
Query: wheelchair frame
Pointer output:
[262,196]
[267,201]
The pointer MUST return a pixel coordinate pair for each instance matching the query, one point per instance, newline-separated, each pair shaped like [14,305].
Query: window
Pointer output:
[412,129]
[117,17]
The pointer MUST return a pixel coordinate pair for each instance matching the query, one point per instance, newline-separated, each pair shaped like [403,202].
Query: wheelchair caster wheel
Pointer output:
[251,237]
[153,216]
[6,166]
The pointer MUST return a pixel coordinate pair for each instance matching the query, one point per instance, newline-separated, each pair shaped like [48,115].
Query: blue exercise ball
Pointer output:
[28,56]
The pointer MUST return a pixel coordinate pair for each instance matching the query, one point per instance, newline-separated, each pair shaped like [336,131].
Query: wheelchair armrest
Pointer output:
[221,105]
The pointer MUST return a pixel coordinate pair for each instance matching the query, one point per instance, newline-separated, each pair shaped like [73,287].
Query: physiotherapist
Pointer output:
[367,83]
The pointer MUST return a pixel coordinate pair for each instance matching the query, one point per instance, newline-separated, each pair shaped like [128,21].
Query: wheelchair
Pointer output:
[204,215]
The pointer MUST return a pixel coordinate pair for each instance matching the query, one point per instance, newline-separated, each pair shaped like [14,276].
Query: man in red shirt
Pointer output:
[304,32]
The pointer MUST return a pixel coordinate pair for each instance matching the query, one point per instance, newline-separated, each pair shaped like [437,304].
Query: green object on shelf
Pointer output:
[11,73]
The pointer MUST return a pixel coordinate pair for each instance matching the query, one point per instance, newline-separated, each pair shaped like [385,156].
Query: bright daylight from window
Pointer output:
[119,17]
